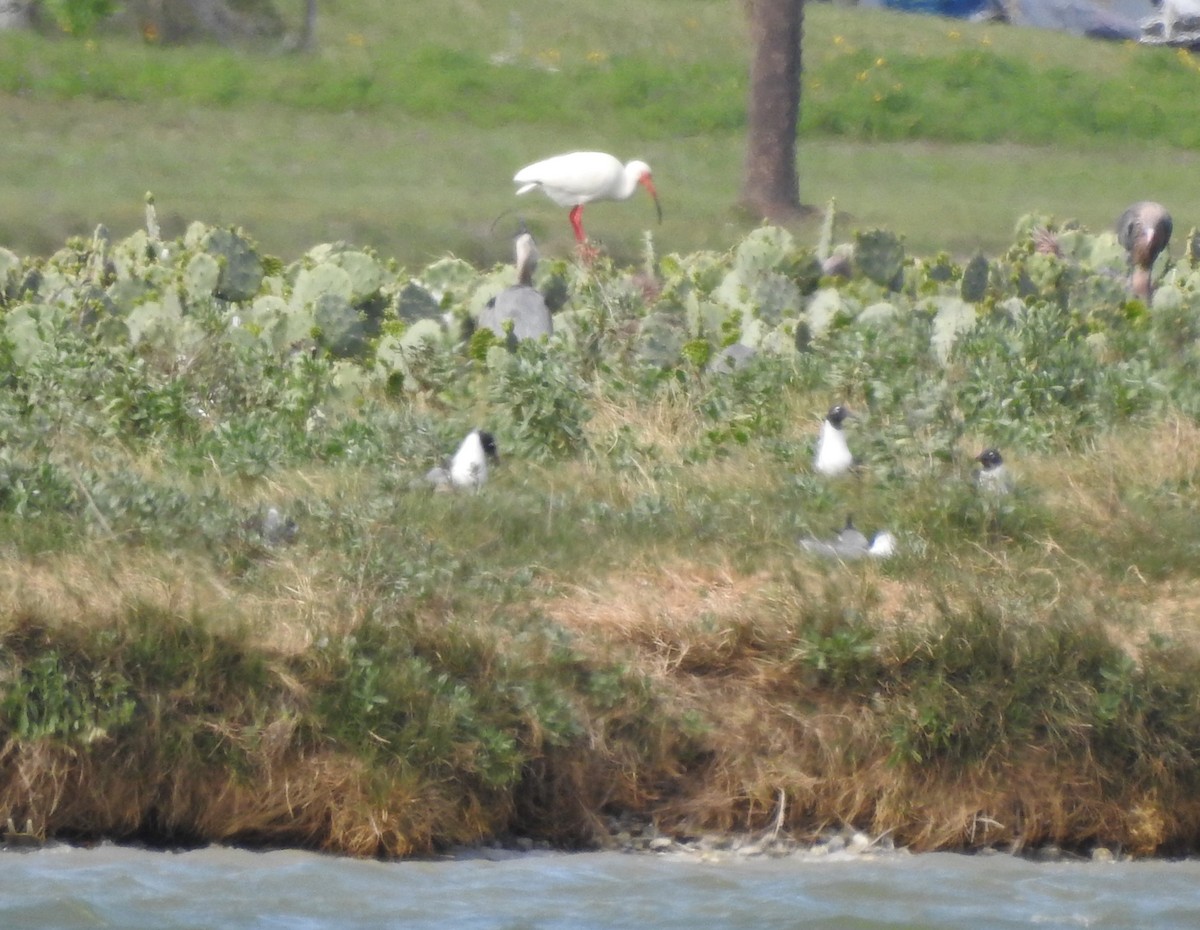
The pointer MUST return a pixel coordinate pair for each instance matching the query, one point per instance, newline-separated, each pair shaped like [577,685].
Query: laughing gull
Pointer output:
[468,469]
[992,477]
[1143,231]
[833,455]
[851,544]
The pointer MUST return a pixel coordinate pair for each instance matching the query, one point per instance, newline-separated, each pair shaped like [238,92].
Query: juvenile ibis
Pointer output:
[578,178]
[521,303]
[1144,231]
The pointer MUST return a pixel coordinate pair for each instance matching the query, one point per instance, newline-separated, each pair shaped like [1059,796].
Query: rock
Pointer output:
[660,844]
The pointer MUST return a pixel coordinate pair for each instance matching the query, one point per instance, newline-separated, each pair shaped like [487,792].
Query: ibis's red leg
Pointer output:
[577,223]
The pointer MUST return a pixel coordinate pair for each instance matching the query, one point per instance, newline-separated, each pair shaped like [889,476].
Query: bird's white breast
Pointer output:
[468,468]
[833,454]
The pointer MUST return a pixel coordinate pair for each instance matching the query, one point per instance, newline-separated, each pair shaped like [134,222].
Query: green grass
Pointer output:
[406,142]
[622,620]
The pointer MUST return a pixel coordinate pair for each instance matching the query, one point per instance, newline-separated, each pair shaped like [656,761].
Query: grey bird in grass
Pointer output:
[521,304]
[833,454]
[851,544]
[992,477]
[273,527]
[1144,231]
[468,469]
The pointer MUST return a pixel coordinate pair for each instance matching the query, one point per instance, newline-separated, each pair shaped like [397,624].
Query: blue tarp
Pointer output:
[1082,17]
[958,8]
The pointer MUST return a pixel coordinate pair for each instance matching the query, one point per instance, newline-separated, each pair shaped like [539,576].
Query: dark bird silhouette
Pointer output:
[1144,231]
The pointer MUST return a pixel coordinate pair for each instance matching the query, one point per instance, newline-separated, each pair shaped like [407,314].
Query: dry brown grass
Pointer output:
[101,585]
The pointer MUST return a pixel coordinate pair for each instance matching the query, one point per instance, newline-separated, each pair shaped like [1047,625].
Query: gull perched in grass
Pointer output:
[992,477]
[833,454]
[851,544]
[468,469]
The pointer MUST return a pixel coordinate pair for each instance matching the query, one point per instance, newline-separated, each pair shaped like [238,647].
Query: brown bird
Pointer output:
[1144,231]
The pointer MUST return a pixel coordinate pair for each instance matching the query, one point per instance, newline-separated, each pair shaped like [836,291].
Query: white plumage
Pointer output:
[577,178]
[833,453]
[468,469]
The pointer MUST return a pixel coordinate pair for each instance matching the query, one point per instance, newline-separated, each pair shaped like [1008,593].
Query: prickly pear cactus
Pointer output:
[879,254]
[825,240]
[773,297]
[953,317]
[338,326]
[29,330]
[975,280]
[154,320]
[200,277]
[661,337]
[10,267]
[364,271]
[139,258]
[449,280]
[878,314]
[274,320]
[319,281]
[416,303]
[241,270]
[823,310]
[764,249]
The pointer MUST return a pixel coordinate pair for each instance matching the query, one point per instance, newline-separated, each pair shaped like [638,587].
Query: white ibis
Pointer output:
[521,303]
[1144,231]
[833,454]
[578,178]
[469,466]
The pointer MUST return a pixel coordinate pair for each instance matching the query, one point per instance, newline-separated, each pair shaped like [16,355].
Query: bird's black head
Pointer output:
[488,441]
[837,415]
[989,458]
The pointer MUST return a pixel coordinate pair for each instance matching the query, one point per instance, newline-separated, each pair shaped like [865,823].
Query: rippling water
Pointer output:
[64,888]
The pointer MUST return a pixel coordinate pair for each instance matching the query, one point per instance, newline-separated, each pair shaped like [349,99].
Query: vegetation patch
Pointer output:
[235,610]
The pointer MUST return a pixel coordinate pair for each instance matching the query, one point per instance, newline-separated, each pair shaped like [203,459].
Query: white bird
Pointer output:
[992,478]
[578,178]
[1144,231]
[833,454]
[521,303]
[468,468]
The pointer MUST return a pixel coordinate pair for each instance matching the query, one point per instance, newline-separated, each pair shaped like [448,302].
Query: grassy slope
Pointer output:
[406,140]
[627,629]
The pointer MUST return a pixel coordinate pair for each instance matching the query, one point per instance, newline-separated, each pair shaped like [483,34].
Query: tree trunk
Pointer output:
[770,184]
[308,33]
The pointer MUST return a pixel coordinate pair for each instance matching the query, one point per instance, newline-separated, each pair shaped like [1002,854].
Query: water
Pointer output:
[64,888]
